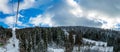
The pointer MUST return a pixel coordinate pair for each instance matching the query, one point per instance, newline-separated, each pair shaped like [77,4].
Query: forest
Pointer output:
[38,39]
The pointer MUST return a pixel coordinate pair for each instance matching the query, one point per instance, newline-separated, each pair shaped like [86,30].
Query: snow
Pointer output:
[93,45]
[83,49]
[97,43]
[74,38]
[66,33]
[50,49]
[97,48]
[12,45]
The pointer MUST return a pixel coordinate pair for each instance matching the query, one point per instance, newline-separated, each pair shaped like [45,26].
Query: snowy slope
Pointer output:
[12,45]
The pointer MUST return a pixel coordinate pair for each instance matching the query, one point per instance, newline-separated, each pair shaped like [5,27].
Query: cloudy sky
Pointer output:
[48,13]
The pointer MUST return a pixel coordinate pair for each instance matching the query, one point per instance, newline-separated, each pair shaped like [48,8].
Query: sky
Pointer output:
[52,13]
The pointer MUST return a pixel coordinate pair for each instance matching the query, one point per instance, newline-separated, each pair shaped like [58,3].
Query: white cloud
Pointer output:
[74,12]
[7,9]
[27,4]
[19,15]
[11,21]
[41,20]
[102,10]
[75,9]
[4,6]
[70,12]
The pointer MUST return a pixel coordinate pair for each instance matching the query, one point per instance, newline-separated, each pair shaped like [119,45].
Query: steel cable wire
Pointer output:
[17,12]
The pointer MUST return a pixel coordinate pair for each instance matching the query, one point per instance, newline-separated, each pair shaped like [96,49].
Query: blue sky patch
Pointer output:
[32,12]
[15,1]
[2,15]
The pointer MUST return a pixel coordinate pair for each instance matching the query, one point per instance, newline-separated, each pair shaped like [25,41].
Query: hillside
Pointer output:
[41,39]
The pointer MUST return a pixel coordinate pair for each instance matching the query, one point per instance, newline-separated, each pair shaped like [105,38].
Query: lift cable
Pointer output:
[17,12]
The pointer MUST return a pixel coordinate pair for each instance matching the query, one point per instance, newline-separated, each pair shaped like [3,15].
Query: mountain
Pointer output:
[64,38]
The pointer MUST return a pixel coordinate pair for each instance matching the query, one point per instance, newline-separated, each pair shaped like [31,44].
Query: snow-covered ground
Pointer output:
[66,33]
[50,49]
[93,49]
[91,45]
[98,46]
[96,43]
[83,49]
[12,45]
